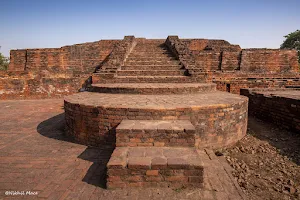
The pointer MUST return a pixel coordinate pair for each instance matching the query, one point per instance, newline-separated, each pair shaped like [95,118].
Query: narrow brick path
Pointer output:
[36,157]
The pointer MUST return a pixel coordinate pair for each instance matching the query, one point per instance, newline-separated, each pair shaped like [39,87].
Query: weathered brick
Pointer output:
[152,172]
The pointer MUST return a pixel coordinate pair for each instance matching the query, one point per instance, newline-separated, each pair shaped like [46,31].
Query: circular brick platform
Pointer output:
[220,118]
[153,88]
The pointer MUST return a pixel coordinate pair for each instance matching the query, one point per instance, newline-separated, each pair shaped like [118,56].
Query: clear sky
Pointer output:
[55,23]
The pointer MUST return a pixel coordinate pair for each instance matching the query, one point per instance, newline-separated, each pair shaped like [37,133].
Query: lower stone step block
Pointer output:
[173,167]
[179,133]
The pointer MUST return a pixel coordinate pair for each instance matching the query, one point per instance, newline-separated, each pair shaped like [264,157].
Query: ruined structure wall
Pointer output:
[248,61]
[230,60]
[269,61]
[17,60]
[79,57]
[209,60]
[281,107]
[233,82]
[57,71]
[208,44]
[52,72]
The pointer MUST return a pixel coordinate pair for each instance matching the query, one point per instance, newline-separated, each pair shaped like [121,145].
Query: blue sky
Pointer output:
[55,23]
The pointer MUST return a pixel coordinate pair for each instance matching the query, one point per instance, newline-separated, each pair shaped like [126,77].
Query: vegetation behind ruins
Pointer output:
[4,61]
[292,41]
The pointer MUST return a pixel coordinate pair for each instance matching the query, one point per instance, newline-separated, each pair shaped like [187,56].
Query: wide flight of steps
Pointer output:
[149,62]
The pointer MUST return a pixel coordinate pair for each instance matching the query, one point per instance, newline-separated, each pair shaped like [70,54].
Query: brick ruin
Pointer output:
[277,105]
[55,72]
[158,102]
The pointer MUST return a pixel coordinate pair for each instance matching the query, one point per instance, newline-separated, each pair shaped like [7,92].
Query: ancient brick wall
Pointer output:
[195,44]
[248,60]
[269,61]
[22,85]
[207,44]
[52,72]
[234,81]
[230,60]
[17,60]
[279,106]
[68,59]
[208,60]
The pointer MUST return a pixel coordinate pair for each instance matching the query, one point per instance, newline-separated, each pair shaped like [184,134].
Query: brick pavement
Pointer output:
[35,156]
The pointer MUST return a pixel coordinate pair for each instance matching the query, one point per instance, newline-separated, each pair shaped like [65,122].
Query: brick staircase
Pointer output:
[155,153]
[149,62]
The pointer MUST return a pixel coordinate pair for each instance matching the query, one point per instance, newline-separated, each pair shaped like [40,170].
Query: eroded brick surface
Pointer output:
[280,106]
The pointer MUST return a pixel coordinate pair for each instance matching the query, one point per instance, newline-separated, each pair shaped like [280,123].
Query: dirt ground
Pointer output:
[266,162]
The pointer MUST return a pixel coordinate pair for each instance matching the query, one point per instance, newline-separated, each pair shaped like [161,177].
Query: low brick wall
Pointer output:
[23,85]
[280,106]
[233,82]
[52,72]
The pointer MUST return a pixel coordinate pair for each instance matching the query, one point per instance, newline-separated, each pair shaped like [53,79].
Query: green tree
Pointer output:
[292,41]
[4,61]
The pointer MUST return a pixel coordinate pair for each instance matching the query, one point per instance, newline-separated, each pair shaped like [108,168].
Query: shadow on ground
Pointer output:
[54,128]
[287,142]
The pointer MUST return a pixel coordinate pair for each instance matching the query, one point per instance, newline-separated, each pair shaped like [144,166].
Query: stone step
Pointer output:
[180,133]
[104,71]
[96,78]
[149,58]
[139,53]
[153,79]
[153,62]
[150,72]
[173,167]
[151,67]
[153,88]
[150,50]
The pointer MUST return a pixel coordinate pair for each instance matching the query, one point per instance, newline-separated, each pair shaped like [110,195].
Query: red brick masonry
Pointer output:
[219,118]
[152,167]
[280,106]
[180,133]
